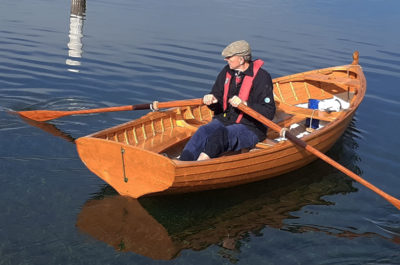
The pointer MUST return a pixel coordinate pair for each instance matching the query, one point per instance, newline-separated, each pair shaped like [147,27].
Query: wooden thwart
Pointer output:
[310,113]
[347,81]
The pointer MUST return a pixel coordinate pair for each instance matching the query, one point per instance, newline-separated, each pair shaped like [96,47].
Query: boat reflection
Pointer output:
[161,227]
[77,17]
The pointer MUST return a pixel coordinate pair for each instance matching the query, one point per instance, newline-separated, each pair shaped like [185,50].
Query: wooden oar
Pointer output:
[249,111]
[46,115]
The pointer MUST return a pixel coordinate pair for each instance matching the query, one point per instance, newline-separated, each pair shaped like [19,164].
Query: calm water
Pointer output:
[58,55]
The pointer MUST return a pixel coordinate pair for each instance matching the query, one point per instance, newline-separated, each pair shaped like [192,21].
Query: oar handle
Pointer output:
[249,111]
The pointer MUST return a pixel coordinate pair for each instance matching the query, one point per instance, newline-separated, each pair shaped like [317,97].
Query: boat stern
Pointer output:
[131,171]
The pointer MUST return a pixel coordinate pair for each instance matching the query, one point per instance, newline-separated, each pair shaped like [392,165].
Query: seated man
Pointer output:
[241,81]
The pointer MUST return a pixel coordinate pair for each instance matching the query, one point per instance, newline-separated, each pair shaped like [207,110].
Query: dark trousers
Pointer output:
[215,138]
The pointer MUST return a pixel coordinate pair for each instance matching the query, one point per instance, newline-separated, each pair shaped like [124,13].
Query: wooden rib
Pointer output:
[200,115]
[293,91]
[188,114]
[280,92]
[162,125]
[144,132]
[307,90]
[126,137]
[321,89]
[348,87]
[152,128]
[134,135]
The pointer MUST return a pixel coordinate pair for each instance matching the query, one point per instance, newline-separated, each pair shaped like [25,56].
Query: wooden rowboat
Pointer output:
[139,157]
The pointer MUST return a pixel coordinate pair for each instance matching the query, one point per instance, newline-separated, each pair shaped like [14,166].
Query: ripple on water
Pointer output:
[390,224]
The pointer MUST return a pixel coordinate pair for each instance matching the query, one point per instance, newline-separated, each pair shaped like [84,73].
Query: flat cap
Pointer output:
[240,47]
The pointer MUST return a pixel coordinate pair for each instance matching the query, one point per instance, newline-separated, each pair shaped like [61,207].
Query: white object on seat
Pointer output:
[333,104]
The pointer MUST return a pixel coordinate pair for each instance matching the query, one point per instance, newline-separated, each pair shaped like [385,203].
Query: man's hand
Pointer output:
[235,101]
[209,99]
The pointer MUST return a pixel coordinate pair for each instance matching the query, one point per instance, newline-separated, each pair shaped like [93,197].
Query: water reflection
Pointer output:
[49,128]
[161,227]
[77,17]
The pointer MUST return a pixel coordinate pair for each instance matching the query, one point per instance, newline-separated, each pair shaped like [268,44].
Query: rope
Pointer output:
[311,118]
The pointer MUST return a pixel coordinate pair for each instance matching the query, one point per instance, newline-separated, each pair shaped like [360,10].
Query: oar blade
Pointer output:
[46,115]
[42,115]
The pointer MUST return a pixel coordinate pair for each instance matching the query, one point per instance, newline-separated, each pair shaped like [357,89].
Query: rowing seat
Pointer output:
[308,113]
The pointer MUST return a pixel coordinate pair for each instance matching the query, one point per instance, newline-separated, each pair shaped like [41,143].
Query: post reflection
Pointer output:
[77,17]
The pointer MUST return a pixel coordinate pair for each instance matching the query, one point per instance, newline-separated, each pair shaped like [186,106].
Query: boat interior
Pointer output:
[166,132]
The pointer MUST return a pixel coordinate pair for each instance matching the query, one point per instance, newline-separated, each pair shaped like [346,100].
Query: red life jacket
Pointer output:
[247,83]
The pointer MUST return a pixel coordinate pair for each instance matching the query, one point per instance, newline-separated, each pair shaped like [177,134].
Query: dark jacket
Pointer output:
[261,99]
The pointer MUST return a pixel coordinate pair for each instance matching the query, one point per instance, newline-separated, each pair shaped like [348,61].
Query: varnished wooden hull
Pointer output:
[131,157]
[249,167]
